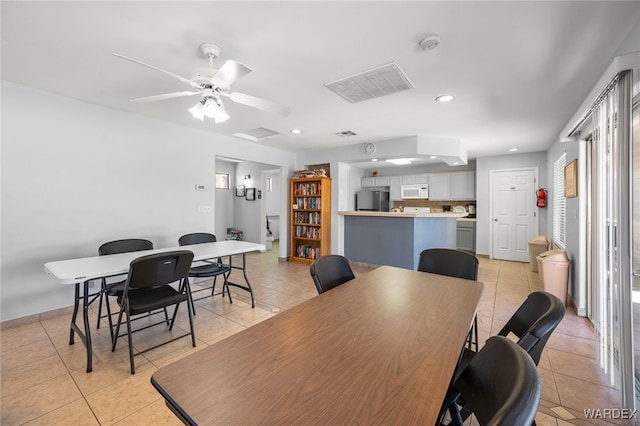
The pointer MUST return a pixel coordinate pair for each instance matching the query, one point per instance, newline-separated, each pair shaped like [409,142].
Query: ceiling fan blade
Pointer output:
[258,103]
[183,79]
[164,96]
[230,72]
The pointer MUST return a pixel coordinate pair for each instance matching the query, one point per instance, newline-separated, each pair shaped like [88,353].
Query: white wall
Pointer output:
[502,162]
[224,216]
[75,175]
[273,200]
[249,217]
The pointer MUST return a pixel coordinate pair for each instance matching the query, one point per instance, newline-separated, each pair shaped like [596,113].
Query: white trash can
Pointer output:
[554,273]
[269,243]
[537,246]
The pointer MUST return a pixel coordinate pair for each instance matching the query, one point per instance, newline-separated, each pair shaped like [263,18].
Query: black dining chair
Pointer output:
[330,271]
[501,386]
[149,287]
[115,289]
[452,263]
[532,323]
[206,268]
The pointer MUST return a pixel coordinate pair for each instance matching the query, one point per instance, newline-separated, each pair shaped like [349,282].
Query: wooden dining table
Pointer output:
[379,349]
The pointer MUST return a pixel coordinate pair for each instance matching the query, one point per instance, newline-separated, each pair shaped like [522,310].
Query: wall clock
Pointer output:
[369,148]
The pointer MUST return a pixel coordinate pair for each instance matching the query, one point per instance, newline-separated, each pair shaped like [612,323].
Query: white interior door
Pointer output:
[513,213]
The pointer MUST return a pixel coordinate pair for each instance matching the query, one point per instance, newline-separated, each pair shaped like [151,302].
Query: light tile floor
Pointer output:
[44,380]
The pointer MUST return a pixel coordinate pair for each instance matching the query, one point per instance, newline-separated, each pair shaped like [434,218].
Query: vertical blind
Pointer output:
[559,203]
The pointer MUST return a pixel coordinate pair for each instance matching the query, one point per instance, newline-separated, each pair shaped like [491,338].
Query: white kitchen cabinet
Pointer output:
[412,179]
[439,186]
[369,182]
[395,188]
[454,186]
[463,185]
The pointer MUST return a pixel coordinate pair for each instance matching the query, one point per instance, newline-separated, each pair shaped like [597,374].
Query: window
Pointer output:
[559,203]
[222,180]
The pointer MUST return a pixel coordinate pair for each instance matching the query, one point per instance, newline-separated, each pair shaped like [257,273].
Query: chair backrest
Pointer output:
[330,271]
[196,238]
[453,263]
[534,321]
[159,269]
[501,384]
[124,246]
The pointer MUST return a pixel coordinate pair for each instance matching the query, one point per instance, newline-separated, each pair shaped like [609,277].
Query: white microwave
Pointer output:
[415,191]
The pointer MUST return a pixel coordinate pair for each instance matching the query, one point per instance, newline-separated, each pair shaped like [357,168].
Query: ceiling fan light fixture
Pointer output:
[213,108]
[197,111]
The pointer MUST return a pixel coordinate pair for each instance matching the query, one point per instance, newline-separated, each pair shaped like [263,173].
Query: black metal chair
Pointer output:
[207,269]
[452,263]
[115,289]
[148,288]
[501,386]
[532,323]
[330,271]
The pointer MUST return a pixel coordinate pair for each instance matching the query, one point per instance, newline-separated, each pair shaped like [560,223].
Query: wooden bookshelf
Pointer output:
[310,218]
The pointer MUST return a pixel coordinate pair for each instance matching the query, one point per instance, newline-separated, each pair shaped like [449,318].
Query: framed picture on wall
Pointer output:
[571,179]
[240,191]
[251,194]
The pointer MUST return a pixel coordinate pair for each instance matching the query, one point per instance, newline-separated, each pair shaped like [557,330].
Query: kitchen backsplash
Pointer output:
[436,206]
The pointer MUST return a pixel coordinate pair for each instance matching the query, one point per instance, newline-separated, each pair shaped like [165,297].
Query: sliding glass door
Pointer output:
[609,248]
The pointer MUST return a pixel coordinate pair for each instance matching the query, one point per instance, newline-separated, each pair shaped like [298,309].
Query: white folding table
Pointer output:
[82,271]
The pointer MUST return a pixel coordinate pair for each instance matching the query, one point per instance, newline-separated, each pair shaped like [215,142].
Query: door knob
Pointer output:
[495,220]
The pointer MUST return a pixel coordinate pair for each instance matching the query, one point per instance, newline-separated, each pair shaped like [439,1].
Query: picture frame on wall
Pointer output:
[240,191]
[571,179]
[251,194]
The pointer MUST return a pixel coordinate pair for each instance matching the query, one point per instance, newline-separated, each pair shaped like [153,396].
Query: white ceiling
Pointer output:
[518,70]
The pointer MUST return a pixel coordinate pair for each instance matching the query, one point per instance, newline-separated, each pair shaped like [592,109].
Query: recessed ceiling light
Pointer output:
[513,149]
[296,131]
[433,157]
[444,98]
[374,159]
[455,163]
[400,161]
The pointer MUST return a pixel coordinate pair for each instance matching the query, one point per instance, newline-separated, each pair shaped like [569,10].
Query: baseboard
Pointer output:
[30,319]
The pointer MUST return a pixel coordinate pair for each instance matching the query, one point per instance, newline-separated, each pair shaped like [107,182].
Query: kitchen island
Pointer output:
[396,239]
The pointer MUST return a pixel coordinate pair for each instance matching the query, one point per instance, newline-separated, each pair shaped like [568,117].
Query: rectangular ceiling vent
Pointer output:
[256,135]
[374,83]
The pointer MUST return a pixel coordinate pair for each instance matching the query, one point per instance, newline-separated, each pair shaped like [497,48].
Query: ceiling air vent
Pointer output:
[374,83]
[256,135]
[346,133]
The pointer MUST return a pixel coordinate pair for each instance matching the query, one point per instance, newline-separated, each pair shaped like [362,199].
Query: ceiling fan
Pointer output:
[213,84]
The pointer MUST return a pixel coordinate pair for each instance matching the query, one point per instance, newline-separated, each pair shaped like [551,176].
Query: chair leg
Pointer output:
[100,307]
[193,335]
[226,285]
[472,337]
[175,313]
[475,332]
[133,365]
[186,285]
[213,288]
[114,342]
[106,298]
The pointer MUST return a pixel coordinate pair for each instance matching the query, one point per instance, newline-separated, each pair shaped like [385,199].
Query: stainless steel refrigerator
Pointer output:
[372,201]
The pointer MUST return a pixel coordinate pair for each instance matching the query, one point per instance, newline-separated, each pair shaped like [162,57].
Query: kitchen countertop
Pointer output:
[466,219]
[403,214]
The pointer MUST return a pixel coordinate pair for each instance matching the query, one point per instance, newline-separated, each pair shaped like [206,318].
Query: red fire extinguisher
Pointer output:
[541,196]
